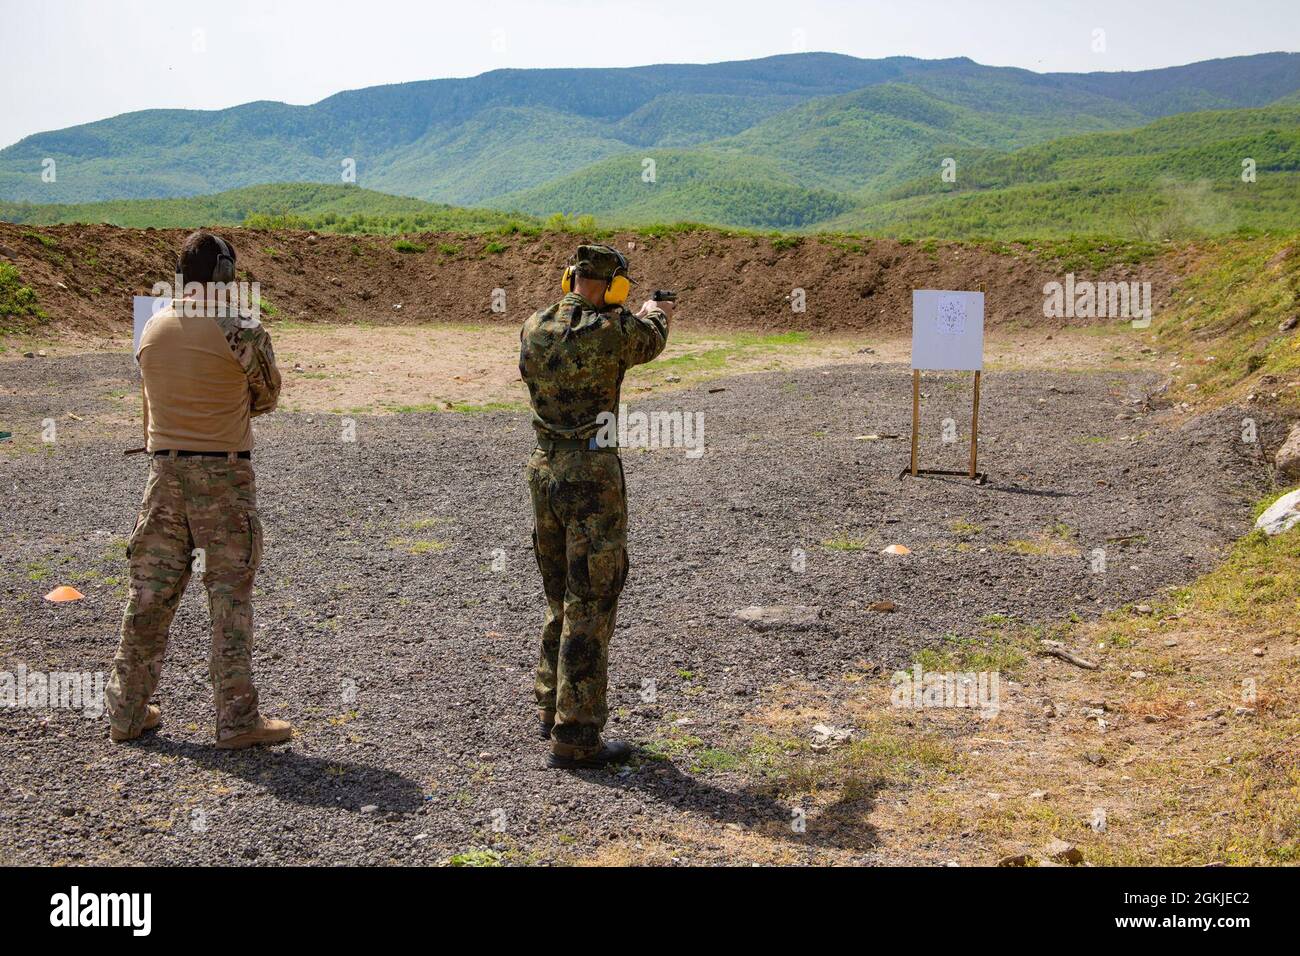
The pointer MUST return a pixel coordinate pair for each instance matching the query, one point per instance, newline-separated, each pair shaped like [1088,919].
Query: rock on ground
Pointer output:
[1287,460]
[1282,515]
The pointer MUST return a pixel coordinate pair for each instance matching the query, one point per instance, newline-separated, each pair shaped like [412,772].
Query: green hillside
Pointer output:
[1177,176]
[734,191]
[807,142]
[880,134]
[335,208]
[828,121]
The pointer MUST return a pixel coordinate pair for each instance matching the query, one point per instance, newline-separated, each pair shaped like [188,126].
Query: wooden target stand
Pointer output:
[973,472]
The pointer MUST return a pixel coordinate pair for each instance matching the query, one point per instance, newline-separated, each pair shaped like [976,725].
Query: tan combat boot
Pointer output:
[266,732]
[152,718]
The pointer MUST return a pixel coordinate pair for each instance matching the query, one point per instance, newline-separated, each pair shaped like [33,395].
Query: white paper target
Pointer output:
[947,330]
[144,308]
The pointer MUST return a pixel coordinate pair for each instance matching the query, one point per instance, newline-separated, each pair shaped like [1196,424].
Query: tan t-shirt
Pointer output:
[196,393]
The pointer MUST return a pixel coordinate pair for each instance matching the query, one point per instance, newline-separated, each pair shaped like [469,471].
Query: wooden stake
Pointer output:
[916,414]
[975,426]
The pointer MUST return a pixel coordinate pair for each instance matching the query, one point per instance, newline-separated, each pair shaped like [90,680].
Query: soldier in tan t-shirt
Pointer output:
[208,368]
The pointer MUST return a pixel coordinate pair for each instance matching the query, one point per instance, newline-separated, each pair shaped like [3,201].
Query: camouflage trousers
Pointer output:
[199,515]
[580,538]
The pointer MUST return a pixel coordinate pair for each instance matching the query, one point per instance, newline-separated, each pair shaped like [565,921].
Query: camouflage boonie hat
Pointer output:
[599,262]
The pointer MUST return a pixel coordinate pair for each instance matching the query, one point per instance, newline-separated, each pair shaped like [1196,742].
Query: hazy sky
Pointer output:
[71,61]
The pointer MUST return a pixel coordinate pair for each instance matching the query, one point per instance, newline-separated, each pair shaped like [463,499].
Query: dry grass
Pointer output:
[1186,739]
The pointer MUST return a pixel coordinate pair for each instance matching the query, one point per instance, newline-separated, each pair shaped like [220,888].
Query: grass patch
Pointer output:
[405,245]
[1231,307]
[878,759]
[1058,541]
[846,544]
[714,360]
[717,760]
[424,524]
[266,307]
[49,242]
[416,545]
[17,300]
[994,651]
[476,858]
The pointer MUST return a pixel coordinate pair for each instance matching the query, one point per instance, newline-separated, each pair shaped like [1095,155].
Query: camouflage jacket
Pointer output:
[251,344]
[573,359]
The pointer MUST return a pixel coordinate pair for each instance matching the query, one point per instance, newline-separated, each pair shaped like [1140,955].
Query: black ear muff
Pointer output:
[225,268]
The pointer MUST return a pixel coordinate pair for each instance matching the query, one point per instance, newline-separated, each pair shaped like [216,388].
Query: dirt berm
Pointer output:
[84,276]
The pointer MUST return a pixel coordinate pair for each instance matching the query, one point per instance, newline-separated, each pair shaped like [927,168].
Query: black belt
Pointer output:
[572,444]
[203,454]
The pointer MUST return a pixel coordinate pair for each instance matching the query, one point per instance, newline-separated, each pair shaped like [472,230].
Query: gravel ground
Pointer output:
[434,755]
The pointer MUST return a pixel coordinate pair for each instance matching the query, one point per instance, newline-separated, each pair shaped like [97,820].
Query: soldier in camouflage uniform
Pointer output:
[207,369]
[573,356]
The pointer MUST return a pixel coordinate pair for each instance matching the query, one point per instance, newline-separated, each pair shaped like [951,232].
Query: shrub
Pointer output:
[15,298]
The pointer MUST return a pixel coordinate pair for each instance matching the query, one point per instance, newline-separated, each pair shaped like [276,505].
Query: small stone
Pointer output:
[1096,759]
[1287,460]
[370,808]
[794,617]
[1017,859]
[1059,851]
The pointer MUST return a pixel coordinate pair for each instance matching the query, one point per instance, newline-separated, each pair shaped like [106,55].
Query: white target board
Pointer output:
[144,308]
[947,330]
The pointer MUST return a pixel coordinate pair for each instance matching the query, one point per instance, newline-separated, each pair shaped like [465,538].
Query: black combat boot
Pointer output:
[610,752]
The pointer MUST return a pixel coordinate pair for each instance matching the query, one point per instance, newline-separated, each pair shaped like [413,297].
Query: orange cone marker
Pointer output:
[897,549]
[64,593]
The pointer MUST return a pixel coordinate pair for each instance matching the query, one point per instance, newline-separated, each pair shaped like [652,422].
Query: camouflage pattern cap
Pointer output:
[599,262]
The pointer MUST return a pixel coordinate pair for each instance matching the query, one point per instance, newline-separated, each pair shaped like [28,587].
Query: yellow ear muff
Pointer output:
[617,292]
[566,281]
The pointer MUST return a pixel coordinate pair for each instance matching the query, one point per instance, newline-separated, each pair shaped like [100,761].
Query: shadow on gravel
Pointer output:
[842,825]
[310,781]
[1010,489]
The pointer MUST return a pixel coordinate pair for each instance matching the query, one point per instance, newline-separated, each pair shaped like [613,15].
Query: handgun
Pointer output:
[663,295]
